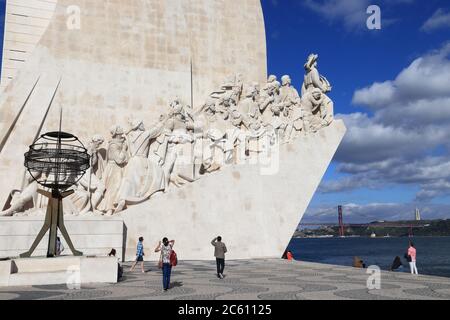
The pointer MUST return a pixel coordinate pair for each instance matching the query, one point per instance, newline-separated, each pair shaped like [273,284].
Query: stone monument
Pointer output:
[201,142]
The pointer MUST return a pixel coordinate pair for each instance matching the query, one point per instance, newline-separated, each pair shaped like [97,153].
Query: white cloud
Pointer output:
[376,95]
[440,19]
[407,139]
[427,77]
[352,13]
[368,141]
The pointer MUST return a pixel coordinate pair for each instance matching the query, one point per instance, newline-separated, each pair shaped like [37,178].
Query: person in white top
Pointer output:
[164,261]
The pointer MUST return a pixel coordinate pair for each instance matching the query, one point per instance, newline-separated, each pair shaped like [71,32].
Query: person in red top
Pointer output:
[289,255]
[412,254]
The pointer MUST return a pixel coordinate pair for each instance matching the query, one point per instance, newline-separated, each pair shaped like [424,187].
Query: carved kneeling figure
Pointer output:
[22,200]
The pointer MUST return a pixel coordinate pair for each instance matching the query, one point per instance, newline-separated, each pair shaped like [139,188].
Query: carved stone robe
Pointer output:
[142,177]
[113,174]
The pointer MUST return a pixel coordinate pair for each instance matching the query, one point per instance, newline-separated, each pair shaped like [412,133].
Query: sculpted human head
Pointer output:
[271,78]
[116,131]
[286,80]
[316,94]
[276,86]
[96,141]
[235,114]
[311,62]
[250,92]
[210,105]
[176,106]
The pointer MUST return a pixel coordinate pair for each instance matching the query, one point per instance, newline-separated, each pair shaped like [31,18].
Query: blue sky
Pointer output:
[394,157]
[391,87]
[2,24]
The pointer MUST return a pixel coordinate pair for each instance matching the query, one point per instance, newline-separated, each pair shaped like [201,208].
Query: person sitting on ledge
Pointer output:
[119,267]
[396,264]
[287,255]
[358,263]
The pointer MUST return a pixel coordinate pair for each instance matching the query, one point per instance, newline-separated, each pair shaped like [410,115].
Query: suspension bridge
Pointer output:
[410,225]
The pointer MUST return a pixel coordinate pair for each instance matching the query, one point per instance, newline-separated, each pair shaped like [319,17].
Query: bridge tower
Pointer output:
[417,214]
[341,222]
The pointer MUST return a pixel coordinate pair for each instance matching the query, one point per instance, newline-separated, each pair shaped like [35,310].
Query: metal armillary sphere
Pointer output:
[57,161]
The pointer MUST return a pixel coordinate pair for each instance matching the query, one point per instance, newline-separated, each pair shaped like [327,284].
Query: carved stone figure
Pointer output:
[289,96]
[90,189]
[214,138]
[278,122]
[178,161]
[248,107]
[142,177]
[255,136]
[229,94]
[98,155]
[22,200]
[313,80]
[236,137]
[117,156]
[269,96]
[158,148]
[312,103]
[185,145]
[88,194]
[290,103]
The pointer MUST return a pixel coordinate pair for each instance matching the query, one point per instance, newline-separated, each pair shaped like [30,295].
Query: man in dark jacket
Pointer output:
[219,252]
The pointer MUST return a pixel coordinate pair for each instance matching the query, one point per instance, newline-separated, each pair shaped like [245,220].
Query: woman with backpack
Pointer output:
[167,260]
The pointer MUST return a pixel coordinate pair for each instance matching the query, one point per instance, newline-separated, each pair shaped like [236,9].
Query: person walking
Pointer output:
[411,257]
[139,255]
[165,263]
[219,252]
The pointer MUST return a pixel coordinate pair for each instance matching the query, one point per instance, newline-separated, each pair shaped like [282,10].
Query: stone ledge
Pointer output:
[62,270]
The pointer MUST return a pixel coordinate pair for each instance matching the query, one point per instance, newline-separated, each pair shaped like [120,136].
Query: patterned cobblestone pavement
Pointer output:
[247,280]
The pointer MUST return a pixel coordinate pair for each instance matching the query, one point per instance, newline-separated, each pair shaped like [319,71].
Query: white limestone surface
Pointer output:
[91,235]
[72,271]
[123,59]
[255,208]
[255,213]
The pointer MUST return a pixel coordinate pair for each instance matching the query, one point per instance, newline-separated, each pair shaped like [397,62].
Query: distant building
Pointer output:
[417,214]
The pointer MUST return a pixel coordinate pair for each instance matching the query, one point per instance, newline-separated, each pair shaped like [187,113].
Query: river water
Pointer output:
[433,253]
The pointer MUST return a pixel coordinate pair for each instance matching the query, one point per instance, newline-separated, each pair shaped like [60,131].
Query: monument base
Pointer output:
[72,271]
[91,235]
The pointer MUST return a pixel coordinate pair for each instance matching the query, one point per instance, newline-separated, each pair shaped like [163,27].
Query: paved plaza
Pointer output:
[248,280]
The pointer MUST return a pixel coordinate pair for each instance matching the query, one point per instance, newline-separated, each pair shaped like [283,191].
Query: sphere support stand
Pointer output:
[54,219]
